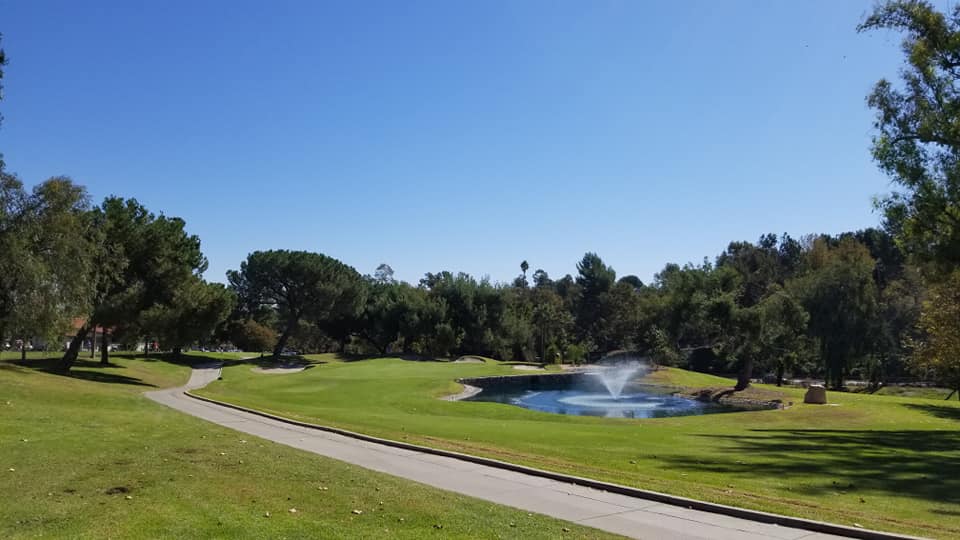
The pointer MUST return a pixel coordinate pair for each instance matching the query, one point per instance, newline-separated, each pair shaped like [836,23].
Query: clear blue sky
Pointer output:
[463,136]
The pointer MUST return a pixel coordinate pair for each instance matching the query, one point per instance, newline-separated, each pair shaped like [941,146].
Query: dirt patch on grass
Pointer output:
[118,490]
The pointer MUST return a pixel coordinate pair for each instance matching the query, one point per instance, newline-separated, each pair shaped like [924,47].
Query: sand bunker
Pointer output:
[282,369]
[469,360]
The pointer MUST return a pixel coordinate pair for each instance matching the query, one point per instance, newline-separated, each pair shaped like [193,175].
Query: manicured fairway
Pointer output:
[883,462]
[90,457]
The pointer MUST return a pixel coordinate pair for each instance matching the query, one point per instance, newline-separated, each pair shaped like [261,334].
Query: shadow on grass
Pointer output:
[267,362]
[101,377]
[193,360]
[83,369]
[940,411]
[920,464]
[48,364]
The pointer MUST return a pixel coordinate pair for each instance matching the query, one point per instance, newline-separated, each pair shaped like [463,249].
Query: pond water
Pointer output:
[633,403]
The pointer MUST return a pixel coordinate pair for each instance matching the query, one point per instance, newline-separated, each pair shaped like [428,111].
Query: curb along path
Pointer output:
[644,515]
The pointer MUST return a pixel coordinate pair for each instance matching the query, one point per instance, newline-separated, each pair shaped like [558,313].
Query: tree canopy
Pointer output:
[918,130]
[299,285]
[938,351]
[138,260]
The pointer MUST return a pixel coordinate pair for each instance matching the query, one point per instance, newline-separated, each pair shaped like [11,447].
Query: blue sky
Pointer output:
[463,136]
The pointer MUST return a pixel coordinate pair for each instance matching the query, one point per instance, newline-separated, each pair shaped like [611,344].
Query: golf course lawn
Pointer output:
[883,462]
[89,456]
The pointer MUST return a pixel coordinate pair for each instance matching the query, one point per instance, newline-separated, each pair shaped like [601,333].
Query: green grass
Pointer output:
[73,449]
[689,379]
[883,462]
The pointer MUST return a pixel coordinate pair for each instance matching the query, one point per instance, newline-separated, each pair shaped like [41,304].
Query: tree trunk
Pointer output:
[104,349]
[146,346]
[23,350]
[73,350]
[743,378]
[93,342]
[779,374]
[282,342]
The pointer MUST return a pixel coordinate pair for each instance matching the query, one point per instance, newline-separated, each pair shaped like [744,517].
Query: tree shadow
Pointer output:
[51,363]
[197,360]
[83,369]
[922,464]
[940,411]
[101,377]
[267,362]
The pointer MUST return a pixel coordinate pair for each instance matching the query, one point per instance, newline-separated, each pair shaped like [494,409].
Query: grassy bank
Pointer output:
[89,456]
[882,462]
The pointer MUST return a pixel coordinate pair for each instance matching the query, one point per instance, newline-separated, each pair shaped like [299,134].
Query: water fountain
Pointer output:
[602,391]
[615,377]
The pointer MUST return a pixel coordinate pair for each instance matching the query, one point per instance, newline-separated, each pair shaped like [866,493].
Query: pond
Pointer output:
[633,403]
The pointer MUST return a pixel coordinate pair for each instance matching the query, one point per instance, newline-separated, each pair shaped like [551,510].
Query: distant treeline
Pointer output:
[830,306]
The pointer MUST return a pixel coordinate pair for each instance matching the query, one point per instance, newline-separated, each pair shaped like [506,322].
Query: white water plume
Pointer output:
[615,377]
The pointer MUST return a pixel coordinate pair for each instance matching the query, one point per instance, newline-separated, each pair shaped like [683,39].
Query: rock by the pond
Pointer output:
[816,394]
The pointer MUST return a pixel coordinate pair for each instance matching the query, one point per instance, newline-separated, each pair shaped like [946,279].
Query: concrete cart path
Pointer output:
[621,514]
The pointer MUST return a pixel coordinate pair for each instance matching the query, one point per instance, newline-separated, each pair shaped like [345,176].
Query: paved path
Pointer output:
[629,516]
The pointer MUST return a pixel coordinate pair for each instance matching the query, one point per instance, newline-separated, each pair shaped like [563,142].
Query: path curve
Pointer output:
[621,514]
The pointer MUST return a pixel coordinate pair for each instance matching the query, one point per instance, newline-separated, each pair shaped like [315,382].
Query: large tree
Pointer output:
[552,323]
[762,268]
[191,315]
[44,259]
[299,285]
[839,293]
[782,339]
[918,131]
[938,347]
[140,260]
[474,311]
[594,280]
[383,313]
[250,335]
[13,202]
